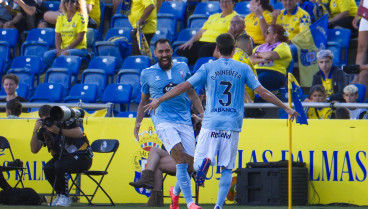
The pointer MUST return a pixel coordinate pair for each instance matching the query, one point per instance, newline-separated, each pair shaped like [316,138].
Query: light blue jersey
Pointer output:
[156,82]
[224,80]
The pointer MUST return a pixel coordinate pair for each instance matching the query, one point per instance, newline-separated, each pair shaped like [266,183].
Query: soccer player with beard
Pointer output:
[172,120]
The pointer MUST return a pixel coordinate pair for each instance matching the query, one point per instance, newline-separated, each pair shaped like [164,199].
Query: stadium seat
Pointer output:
[120,21]
[52,5]
[161,33]
[86,93]
[118,94]
[200,62]
[139,62]
[106,63]
[25,75]
[361,92]
[338,43]
[132,77]
[196,21]
[62,76]
[278,5]
[91,41]
[127,114]
[205,9]
[2,66]
[31,62]
[48,92]
[95,76]
[8,41]
[174,9]
[102,17]
[184,36]
[113,48]
[39,40]
[169,23]
[72,63]
[242,8]
[179,59]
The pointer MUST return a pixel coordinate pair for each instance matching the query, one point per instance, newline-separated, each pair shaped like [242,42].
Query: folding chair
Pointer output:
[4,144]
[102,146]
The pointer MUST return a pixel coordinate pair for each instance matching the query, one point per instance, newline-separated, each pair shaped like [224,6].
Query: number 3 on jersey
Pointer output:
[226,93]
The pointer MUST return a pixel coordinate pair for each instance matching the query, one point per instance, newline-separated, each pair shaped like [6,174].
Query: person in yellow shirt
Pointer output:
[142,14]
[70,31]
[341,13]
[257,21]
[244,48]
[94,11]
[317,94]
[203,43]
[272,58]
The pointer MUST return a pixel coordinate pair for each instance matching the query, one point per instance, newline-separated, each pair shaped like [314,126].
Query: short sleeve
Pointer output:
[144,83]
[283,50]
[146,3]
[82,26]
[199,78]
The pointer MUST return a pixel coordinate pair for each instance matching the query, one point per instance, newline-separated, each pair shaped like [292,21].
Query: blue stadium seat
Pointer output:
[2,66]
[109,48]
[120,21]
[102,17]
[39,40]
[161,33]
[132,77]
[361,92]
[127,114]
[174,9]
[95,76]
[242,8]
[169,23]
[62,76]
[184,36]
[197,21]
[278,5]
[48,92]
[179,59]
[118,94]
[200,62]
[31,62]
[25,75]
[91,41]
[86,93]
[205,9]
[338,42]
[139,62]
[8,40]
[72,63]
[52,5]
[106,63]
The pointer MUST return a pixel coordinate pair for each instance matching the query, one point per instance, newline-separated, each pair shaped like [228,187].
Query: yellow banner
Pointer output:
[335,152]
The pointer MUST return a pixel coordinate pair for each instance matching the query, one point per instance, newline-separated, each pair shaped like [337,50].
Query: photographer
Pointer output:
[74,156]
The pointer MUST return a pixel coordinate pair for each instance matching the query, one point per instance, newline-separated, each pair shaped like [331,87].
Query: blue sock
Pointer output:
[224,186]
[183,180]
[177,189]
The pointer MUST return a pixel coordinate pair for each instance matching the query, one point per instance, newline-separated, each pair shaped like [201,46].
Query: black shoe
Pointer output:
[351,69]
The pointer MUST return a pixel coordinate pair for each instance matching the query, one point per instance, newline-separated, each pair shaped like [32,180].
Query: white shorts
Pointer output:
[363,22]
[173,133]
[224,144]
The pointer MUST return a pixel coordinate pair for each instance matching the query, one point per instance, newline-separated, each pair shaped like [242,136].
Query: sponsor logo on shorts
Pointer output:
[220,135]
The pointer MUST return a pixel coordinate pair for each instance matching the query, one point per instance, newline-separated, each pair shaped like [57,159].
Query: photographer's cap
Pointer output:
[325,53]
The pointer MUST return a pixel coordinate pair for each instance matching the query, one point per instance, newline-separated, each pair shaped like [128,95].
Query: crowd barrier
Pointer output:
[335,152]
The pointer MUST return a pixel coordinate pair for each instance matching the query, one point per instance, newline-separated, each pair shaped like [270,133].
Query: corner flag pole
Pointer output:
[290,145]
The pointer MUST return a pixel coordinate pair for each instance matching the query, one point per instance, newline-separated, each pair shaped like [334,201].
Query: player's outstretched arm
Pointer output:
[269,97]
[195,100]
[179,89]
[140,114]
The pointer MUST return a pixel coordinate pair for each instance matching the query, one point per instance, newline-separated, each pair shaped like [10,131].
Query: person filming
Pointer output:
[68,146]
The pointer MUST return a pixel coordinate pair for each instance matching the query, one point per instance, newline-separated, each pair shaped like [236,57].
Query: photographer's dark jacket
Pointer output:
[54,143]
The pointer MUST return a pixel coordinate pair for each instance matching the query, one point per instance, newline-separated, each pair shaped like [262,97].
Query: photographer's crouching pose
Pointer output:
[68,146]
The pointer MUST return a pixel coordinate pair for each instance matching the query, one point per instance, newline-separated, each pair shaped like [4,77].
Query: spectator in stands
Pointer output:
[70,31]
[93,10]
[293,19]
[244,48]
[350,96]
[272,58]
[203,43]
[341,13]
[142,14]
[317,94]
[13,108]
[257,21]
[342,113]
[5,16]
[332,78]
[75,156]
[10,84]
[27,14]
